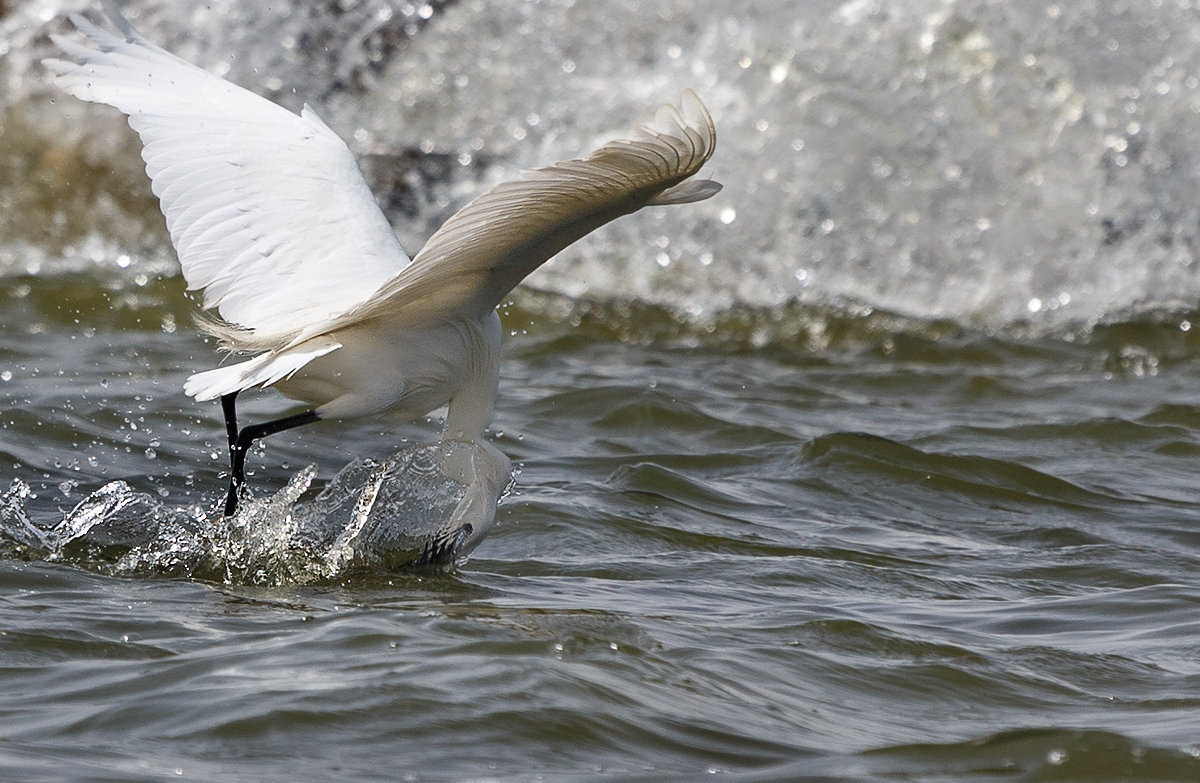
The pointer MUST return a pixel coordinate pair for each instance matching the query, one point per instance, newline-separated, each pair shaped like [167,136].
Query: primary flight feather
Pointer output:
[272,219]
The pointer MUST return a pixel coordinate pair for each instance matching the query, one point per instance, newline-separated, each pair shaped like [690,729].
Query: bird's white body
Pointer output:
[407,372]
[273,220]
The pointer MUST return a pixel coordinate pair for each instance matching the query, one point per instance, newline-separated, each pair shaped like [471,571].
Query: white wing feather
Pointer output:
[271,217]
[268,210]
[481,253]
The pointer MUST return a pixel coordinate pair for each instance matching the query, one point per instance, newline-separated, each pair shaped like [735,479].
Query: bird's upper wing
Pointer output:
[490,245]
[268,210]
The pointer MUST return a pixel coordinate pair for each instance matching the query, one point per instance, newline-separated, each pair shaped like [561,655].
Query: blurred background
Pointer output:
[988,163]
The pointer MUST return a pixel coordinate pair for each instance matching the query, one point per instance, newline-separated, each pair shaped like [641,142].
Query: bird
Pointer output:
[300,271]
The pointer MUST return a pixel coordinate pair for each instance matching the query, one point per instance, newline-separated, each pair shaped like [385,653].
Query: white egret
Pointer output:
[271,217]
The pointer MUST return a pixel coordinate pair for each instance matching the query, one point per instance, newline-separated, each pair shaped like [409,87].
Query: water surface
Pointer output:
[807,488]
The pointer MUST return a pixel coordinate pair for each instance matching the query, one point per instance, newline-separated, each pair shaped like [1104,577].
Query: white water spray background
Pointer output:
[986,162]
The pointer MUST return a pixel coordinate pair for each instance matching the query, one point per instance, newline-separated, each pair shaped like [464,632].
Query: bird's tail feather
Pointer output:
[262,370]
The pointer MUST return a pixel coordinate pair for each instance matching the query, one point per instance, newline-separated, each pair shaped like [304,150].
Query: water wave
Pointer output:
[1038,754]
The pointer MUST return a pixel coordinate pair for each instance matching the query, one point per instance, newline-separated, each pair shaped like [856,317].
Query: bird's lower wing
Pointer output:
[267,209]
[491,244]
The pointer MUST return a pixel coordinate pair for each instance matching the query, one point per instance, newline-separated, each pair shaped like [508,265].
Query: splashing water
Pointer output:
[426,505]
[988,164]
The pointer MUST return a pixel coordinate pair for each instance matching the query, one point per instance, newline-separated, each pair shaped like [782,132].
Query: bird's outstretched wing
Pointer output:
[268,210]
[490,245]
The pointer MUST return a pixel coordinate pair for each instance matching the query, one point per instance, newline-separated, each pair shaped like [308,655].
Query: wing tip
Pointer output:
[696,114]
[113,12]
[690,123]
[686,192]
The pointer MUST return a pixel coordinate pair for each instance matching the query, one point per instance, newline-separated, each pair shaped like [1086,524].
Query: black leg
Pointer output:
[229,407]
[239,445]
